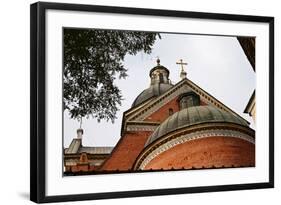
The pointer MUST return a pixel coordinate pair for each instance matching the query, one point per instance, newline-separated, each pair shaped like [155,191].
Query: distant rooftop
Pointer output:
[76,148]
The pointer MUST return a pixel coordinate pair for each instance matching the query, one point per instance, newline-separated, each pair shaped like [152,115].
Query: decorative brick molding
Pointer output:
[145,159]
[141,127]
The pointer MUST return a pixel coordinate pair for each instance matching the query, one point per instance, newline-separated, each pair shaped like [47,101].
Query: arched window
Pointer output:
[189,99]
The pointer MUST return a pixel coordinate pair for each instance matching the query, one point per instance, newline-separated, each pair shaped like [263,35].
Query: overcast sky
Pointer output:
[217,64]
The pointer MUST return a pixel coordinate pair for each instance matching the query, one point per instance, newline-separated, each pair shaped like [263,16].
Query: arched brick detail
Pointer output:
[206,152]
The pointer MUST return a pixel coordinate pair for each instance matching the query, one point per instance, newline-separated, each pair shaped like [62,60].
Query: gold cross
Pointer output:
[182,64]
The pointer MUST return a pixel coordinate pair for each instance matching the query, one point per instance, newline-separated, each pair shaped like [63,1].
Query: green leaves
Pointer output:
[93,59]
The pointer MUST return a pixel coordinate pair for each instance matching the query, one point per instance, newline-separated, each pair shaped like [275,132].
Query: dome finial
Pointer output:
[80,131]
[183,73]
[158,60]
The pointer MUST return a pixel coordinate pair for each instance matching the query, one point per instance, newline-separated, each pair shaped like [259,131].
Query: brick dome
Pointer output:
[192,116]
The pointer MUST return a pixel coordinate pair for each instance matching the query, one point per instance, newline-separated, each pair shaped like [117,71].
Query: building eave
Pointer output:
[250,103]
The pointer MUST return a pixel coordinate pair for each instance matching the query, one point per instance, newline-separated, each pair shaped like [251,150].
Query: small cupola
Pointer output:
[159,84]
[189,99]
[159,74]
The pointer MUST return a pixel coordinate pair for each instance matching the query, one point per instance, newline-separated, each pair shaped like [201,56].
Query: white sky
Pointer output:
[217,64]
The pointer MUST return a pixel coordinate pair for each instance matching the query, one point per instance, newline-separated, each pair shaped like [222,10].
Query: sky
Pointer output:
[217,64]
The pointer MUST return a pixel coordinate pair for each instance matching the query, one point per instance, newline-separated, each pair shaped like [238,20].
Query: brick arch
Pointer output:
[206,152]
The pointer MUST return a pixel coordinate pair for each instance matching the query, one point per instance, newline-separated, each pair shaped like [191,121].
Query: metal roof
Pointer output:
[153,91]
[191,116]
[159,67]
[96,150]
[76,148]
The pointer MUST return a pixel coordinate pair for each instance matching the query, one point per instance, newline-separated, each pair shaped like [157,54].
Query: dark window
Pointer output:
[161,77]
[189,100]
[183,103]
[170,111]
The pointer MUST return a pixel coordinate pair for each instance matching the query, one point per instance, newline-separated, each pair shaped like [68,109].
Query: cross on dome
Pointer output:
[183,73]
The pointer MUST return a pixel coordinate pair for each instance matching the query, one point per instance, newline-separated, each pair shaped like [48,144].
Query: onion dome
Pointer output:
[160,83]
[192,116]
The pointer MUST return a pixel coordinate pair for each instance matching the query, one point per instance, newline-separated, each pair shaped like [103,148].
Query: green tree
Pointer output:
[93,59]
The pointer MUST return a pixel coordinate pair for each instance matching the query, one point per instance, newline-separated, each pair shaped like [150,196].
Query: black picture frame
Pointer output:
[38,101]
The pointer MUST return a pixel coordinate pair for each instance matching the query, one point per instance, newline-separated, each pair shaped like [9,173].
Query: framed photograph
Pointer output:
[129,102]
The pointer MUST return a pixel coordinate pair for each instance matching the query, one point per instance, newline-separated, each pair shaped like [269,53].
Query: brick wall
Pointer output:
[132,143]
[207,152]
[161,114]
[126,151]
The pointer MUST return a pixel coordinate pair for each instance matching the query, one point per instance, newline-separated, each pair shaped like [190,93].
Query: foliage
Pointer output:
[93,59]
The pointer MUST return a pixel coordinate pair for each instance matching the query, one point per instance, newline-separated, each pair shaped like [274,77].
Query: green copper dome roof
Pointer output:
[191,116]
[153,91]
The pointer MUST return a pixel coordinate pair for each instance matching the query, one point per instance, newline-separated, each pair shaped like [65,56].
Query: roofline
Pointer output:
[219,102]
[129,110]
[150,99]
[174,86]
[246,110]
[195,85]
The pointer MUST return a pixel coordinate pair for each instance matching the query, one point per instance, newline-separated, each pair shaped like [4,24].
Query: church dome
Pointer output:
[192,116]
[159,67]
[159,84]
[153,91]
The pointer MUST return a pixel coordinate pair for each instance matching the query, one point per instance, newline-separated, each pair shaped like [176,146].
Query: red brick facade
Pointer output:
[81,167]
[84,165]
[218,151]
[163,113]
[126,151]
[205,153]
[200,153]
